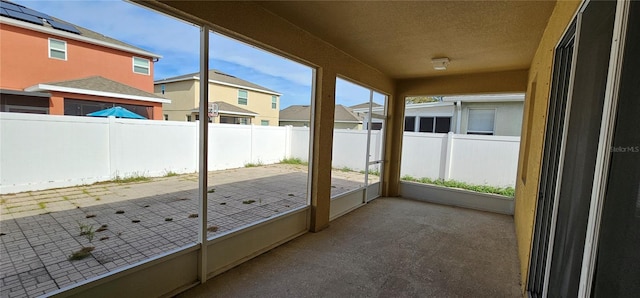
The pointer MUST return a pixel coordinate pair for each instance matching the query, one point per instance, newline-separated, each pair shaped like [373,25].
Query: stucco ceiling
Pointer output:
[401,38]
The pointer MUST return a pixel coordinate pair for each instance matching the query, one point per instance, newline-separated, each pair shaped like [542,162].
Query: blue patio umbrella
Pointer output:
[118,112]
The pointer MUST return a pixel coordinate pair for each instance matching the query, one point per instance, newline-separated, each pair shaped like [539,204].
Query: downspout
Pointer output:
[459,116]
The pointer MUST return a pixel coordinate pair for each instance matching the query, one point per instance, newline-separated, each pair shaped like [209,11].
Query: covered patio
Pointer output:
[574,60]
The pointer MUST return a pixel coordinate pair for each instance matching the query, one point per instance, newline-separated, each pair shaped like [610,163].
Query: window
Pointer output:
[274,102]
[57,49]
[409,123]
[242,97]
[166,117]
[481,121]
[443,124]
[244,121]
[162,87]
[435,124]
[188,118]
[426,124]
[141,66]
[197,117]
[264,122]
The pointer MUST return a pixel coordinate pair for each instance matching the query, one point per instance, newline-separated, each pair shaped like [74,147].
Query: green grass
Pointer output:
[293,161]
[345,169]
[253,165]
[505,191]
[171,174]
[42,205]
[130,179]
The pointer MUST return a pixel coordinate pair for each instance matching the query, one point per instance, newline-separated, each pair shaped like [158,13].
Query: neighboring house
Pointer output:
[493,114]
[299,115]
[238,101]
[490,114]
[361,110]
[49,66]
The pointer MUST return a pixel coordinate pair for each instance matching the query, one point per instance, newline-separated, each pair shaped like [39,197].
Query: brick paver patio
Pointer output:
[132,222]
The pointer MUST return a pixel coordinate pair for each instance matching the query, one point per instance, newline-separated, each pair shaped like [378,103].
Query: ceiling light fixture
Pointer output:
[440,63]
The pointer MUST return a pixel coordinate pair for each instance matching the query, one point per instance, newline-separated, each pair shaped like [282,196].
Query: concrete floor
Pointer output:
[391,247]
[40,229]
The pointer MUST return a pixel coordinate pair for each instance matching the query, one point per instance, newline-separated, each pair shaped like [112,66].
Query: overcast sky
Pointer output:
[178,43]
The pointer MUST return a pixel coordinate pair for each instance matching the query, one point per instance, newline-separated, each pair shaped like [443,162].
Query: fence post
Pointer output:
[448,156]
[287,143]
[253,142]
[113,148]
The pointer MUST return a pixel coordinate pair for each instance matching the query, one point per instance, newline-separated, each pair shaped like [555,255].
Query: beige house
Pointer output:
[298,116]
[238,101]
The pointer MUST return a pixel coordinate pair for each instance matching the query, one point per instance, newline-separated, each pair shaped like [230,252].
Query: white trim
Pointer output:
[165,81]
[517,97]
[60,33]
[50,48]
[133,65]
[197,111]
[603,158]
[41,87]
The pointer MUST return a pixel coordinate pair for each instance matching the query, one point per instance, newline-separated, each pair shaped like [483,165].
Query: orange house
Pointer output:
[49,66]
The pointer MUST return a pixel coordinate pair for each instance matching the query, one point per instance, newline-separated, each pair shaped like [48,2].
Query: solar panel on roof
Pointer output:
[36,13]
[23,17]
[11,6]
[62,26]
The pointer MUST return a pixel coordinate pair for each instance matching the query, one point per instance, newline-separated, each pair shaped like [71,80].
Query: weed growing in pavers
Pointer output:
[86,230]
[212,229]
[98,199]
[65,198]
[168,219]
[120,212]
[248,202]
[346,169]
[86,192]
[193,215]
[104,238]
[81,254]
[3,201]
[42,205]
[223,203]
[135,221]
[211,190]
[90,216]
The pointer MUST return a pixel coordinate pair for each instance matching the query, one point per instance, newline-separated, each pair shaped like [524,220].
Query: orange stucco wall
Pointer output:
[24,61]
[56,103]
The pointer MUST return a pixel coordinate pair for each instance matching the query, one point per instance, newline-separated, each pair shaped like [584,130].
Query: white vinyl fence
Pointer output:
[47,151]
